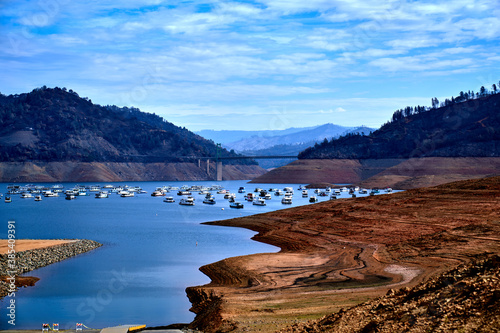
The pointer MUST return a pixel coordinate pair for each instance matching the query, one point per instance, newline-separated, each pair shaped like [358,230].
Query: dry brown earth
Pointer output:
[395,173]
[115,172]
[338,254]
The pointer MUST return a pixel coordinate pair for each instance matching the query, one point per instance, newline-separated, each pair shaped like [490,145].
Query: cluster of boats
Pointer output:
[41,191]
[258,197]
[188,199]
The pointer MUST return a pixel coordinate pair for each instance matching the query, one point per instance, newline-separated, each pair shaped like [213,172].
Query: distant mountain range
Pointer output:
[229,136]
[306,137]
[58,125]
[285,142]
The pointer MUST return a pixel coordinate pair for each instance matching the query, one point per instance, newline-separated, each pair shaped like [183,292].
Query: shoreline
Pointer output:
[38,254]
[340,253]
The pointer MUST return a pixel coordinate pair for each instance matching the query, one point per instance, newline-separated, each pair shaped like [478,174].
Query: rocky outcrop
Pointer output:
[464,299]
[208,308]
[115,171]
[29,260]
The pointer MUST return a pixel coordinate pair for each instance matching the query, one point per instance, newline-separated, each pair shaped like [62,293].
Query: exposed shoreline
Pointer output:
[43,253]
[402,174]
[340,253]
[71,171]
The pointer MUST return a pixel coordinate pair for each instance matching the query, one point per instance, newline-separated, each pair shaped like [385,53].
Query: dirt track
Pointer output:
[340,253]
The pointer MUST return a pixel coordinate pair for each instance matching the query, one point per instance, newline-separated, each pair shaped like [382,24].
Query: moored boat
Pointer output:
[259,202]
[236,205]
[101,195]
[189,201]
[209,200]
[169,199]
[286,200]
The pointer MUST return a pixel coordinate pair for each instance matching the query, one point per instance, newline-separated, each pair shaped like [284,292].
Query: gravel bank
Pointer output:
[32,259]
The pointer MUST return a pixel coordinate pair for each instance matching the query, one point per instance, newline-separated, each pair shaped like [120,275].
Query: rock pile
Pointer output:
[465,299]
[32,259]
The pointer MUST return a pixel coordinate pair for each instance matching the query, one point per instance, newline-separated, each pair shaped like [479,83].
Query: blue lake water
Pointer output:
[152,251]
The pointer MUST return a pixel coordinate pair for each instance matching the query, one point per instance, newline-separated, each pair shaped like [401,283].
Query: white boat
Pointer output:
[82,192]
[241,190]
[259,202]
[157,193]
[221,192]
[26,195]
[313,199]
[189,201]
[38,198]
[236,205]
[288,189]
[49,194]
[363,191]
[126,194]
[169,199]
[278,192]
[305,194]
[183,192]
[286,200]
[70,196]
[101,195]
[209,200]
[8,199]
[388,190]
[250,197]
[267,196]
[94,188]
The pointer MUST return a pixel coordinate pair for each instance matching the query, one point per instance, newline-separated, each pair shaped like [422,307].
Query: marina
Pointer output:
[152,248]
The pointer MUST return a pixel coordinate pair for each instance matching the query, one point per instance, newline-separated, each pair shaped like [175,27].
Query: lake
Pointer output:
[151,252]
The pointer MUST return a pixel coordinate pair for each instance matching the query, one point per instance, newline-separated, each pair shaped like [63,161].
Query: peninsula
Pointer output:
[337,254]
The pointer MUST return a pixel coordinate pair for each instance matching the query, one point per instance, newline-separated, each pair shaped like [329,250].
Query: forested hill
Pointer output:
[58,125]
[464,126]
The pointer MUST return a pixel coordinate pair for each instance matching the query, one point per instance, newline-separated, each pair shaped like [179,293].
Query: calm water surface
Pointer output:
[152,251]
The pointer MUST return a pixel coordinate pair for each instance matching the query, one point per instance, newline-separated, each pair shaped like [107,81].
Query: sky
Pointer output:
[253,65]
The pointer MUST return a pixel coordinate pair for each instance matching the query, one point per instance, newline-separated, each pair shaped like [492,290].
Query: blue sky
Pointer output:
[253,64]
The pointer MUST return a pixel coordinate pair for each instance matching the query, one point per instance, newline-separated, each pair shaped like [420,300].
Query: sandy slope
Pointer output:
[30,244]
[340,253]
